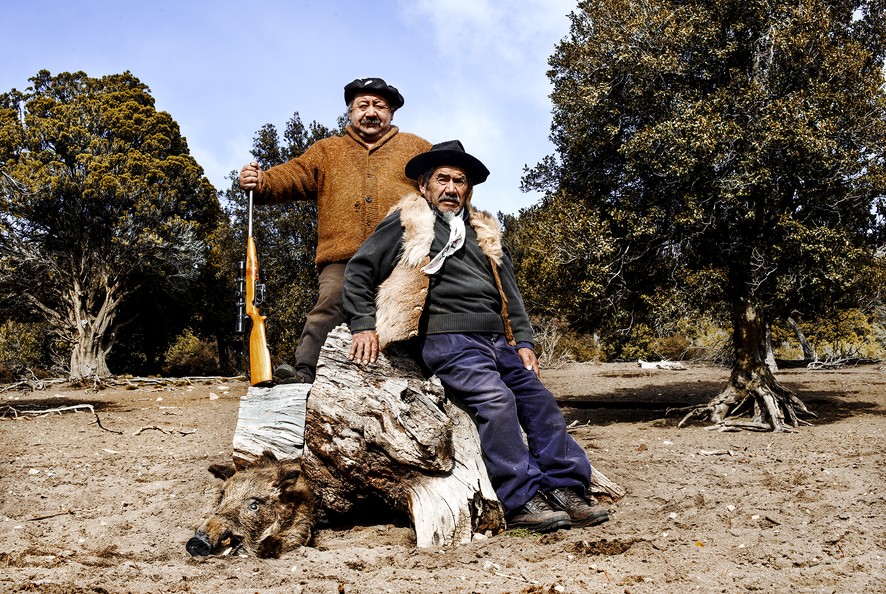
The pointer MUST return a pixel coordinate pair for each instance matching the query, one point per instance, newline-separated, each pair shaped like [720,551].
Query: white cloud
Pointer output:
[486,84]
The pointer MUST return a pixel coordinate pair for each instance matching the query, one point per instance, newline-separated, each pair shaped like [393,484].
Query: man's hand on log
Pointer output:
[530,361]
[364,348]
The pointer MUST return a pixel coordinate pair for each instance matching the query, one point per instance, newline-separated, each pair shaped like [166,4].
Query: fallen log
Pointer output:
[380,431]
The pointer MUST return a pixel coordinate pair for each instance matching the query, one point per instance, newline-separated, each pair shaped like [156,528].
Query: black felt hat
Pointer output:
[450,153]
[376,86]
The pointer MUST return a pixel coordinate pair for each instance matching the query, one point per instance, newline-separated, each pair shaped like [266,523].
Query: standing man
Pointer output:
[355,179]
[435,269]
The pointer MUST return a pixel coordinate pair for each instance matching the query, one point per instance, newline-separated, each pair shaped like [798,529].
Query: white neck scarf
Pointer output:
[456,240]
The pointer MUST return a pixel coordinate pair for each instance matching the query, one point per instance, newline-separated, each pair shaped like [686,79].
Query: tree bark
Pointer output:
[808,352]
[753,399]
[90,327]
[87,361]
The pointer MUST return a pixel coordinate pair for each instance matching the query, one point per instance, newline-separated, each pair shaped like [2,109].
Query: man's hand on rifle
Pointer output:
[251,177]
[364,348]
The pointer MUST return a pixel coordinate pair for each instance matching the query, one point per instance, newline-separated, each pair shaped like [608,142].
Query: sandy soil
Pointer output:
[83,509]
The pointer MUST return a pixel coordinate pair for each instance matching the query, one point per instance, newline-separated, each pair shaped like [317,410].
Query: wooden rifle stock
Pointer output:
[259,355]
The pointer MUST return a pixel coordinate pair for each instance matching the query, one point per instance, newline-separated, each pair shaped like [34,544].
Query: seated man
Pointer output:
[435,269]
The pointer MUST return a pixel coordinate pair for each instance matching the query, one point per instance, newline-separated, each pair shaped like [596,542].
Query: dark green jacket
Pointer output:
[461,297]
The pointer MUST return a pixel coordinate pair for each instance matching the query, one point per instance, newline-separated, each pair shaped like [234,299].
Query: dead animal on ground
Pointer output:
[264,510]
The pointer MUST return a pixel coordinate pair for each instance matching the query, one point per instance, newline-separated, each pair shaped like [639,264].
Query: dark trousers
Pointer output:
[326,315]
[503,397]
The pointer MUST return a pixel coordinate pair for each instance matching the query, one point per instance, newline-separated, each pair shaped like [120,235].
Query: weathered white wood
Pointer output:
[453,507]
[602,485]
[383,426]
[271,419]
[672,365]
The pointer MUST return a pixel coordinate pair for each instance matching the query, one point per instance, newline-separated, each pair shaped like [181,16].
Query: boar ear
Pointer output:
[222,471]
[268,456]
[292,485]
[288,470]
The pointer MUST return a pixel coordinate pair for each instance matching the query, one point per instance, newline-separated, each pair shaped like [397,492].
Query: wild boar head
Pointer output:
[263,510]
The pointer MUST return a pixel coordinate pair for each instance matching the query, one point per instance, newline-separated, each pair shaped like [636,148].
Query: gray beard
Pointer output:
[447,215]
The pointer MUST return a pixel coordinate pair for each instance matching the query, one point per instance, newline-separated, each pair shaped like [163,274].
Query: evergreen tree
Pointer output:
[102,204]
[742,143]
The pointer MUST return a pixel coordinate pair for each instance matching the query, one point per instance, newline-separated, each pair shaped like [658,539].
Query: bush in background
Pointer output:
[24,351]
[191,355]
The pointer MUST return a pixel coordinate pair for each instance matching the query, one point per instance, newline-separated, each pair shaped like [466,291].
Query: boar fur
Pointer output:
[263,510]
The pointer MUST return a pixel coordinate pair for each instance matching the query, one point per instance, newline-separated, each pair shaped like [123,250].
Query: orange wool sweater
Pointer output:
[354,186]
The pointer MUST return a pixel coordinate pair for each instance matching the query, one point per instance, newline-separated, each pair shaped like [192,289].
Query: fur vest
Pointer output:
[400,299]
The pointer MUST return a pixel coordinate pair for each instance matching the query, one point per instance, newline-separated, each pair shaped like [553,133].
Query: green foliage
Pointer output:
[561,255]
[710,156]
[190,355]
[848,334]
[556,342]
[637,344]
[102,207]
[23,350]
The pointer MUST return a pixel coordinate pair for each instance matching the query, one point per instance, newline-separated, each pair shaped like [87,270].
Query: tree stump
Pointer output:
[271,419]
[381,432]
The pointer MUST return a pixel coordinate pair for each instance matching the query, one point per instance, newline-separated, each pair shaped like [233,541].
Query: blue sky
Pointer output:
[469,69]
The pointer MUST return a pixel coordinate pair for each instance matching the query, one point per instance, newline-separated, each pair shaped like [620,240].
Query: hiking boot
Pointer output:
[286,374]
[580,512]
[537,515]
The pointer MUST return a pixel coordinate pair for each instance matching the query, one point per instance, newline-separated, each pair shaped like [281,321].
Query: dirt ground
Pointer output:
[83,509]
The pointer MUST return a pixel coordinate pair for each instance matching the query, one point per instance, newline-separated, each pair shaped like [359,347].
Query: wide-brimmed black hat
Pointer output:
[450,153]
[376,86]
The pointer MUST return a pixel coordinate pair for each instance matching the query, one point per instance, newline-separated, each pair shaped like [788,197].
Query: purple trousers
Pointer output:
[505,400]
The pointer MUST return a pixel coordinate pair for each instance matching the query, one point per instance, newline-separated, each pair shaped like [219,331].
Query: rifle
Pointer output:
[248,301]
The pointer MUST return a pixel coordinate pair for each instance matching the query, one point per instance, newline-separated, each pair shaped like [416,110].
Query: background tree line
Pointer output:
[116,254]
[719,177]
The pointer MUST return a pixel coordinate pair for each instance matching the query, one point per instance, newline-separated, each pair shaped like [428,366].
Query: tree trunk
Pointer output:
[381,432]
[771,363]
[91,309]
[753,399]
[808,352]
[88,357]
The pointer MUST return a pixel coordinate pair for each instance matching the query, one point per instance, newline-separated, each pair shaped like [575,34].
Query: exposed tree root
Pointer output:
[753,401]
[95,383]
[9,410]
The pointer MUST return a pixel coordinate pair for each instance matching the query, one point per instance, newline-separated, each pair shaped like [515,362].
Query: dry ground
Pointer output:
[83,509]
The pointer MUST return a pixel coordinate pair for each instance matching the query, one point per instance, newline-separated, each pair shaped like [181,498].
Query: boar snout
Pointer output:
[199,545]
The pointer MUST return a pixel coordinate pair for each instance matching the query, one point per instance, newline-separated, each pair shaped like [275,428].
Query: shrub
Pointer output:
[638,344]
[23,350]
[556,343]
[672,348]
[191,355]
[850,334]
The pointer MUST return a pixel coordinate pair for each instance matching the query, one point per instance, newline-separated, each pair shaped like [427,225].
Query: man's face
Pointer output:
[447,190]
[370,116]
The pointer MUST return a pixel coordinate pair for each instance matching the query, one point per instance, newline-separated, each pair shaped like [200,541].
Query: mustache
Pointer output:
[371,121]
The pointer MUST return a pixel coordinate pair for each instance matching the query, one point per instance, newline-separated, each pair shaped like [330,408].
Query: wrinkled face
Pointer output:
[261,511]
[447,190]
[370,116]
